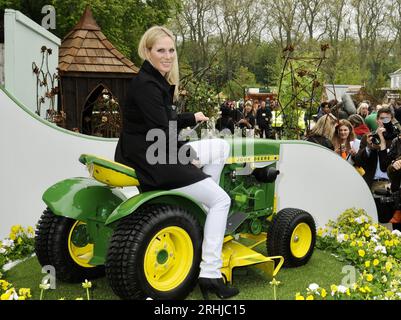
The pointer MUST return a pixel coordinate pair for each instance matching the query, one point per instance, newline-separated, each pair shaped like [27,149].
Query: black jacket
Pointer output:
[149,105]
[225,123]
[251,120]
[263,117]
[369,162]
[393,154]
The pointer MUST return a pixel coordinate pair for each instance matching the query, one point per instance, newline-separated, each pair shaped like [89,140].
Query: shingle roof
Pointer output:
[86,49]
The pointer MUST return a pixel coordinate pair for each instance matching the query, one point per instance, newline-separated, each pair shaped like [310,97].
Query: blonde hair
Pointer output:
[361,106]
[146,43]
[325,126]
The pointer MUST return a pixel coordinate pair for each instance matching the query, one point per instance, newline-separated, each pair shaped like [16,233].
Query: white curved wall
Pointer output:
[34,155]
[319,181]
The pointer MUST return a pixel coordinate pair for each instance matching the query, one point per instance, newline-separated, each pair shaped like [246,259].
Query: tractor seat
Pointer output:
[109,172]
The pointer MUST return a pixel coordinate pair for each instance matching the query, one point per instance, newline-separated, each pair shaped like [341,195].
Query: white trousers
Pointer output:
[212,154]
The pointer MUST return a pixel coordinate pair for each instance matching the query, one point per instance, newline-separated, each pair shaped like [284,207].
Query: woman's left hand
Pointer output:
[199,116]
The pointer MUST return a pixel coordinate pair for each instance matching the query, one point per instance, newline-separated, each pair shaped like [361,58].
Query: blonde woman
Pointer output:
[323,130]
[149,108]
[363,110]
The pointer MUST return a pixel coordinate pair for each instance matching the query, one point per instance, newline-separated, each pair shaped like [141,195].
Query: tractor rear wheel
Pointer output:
[292,234]
[64,243]
[155,252]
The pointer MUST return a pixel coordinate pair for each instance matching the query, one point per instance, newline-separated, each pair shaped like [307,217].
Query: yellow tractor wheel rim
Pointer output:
[81,254]
[168,258]
[301,240]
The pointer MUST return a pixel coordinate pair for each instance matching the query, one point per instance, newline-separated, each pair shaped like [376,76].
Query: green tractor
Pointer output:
[149,245]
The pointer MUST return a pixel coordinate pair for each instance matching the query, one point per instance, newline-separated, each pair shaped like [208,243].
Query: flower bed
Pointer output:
[372,249]
[19,245]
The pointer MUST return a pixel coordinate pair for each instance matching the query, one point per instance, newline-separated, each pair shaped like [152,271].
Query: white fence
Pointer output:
[23,40]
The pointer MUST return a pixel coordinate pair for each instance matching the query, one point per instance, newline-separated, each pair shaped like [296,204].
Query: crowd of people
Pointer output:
[370,140]
[368,137]
[252,117]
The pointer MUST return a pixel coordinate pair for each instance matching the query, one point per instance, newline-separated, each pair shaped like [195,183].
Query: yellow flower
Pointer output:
[389,294]
[21,298]
[389,266]
[5,296]
[298,296]
[360,244]
[87,284]
[31,230]
[12,236]
[362,290]
[26,292]
[376,262]
[367,289]
[353,235]
[79,299]
[361,253]
[353,244]
[346,237]
[320,232]
[16,228]
[323,293]
[367,264]
[310,297]
[333,288]
[4,284]
[369,277]
[19,241]
[367,233]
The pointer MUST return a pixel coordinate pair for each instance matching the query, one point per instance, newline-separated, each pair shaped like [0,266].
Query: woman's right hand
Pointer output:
[199,116]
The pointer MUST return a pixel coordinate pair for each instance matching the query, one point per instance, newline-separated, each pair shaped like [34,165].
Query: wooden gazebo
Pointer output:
[90,67]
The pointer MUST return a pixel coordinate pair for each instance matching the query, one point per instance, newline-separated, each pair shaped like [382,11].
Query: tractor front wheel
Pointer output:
[292,234]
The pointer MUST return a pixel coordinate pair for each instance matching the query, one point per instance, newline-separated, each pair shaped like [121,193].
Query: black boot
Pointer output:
[216,286]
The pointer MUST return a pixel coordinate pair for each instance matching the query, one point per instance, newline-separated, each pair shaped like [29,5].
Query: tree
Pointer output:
[235,88]
[312,15]
[194,24]
[286,20]
[122,21]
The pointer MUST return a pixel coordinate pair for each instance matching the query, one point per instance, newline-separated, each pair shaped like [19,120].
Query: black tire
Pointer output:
[280,233]
[125,264]
[42,237]
[51,247]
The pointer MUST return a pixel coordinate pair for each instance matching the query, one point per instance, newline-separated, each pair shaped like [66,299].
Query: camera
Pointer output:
[391,132]
[375,138]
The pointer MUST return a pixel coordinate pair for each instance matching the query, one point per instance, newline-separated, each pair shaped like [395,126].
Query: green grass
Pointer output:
[322,269]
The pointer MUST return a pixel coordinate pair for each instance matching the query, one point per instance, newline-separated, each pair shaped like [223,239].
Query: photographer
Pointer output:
[373,144]
[391,161]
